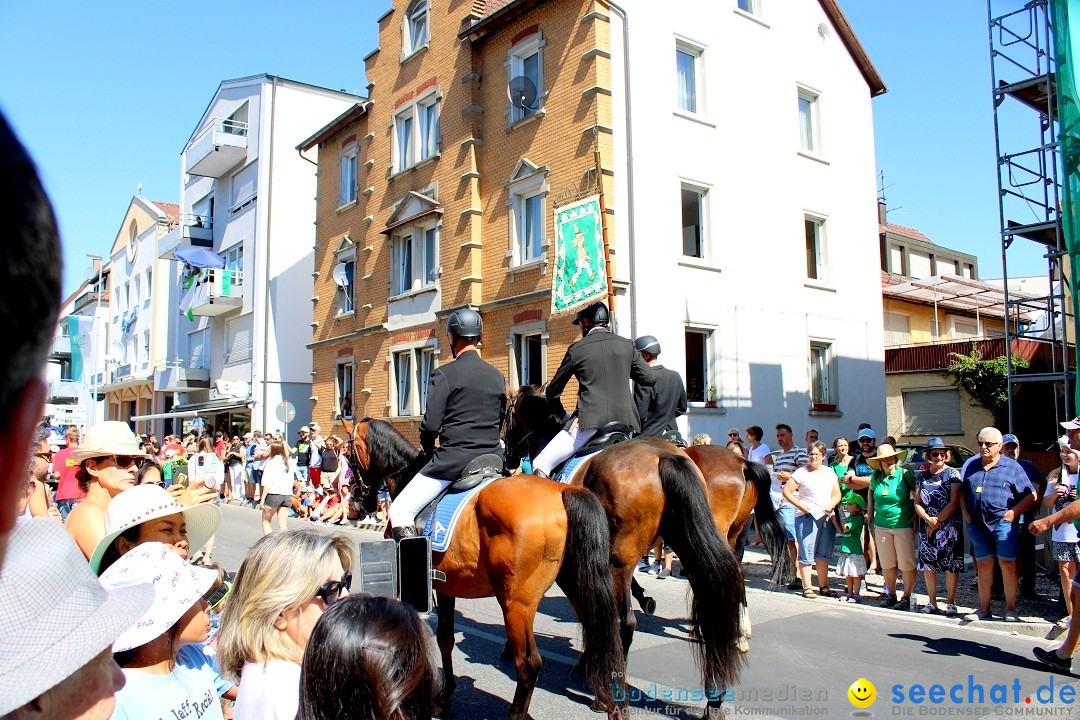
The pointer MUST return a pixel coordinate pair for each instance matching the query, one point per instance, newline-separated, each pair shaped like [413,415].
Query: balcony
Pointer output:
[216,292]
[198,230]
[175,376]
[86,299]
[121,373]
[938,356]
[220,147]
[64,392]
[60,348]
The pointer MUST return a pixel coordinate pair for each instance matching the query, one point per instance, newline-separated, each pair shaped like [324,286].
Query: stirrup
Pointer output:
[402,532]
[541,474]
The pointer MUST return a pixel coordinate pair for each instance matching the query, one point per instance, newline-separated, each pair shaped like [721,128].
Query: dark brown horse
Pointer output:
[521,535]
[648,488]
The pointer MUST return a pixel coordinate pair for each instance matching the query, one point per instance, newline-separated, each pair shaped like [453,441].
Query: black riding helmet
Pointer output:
[647,343]
[596,314]
[465,323]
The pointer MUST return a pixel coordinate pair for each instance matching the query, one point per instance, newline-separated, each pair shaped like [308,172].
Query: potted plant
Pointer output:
[710,396]
[824,407]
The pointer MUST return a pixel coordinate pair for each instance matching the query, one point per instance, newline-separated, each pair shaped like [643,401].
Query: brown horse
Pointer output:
[520,535]
[648,488]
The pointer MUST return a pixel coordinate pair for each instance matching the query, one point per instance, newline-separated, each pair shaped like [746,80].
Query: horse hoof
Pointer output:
[597,707]
[742,646]
[649,606]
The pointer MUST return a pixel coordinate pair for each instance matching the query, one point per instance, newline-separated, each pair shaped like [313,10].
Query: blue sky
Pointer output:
[106,94]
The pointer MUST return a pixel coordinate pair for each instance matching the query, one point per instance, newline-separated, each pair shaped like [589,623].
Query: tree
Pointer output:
[987,380]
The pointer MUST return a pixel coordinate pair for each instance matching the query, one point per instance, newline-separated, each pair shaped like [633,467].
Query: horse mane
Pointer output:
[388,450]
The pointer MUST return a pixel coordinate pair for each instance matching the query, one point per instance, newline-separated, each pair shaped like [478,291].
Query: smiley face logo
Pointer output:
[862,693]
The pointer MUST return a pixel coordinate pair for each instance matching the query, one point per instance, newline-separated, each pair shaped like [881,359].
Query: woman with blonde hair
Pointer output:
[282,589]
[277,488]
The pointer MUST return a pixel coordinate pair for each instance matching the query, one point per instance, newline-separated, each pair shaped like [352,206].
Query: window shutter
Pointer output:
[243,184]
[238,339]
[197,350]
[932,412]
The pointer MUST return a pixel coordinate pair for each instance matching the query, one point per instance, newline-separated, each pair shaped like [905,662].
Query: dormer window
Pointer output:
[416,27]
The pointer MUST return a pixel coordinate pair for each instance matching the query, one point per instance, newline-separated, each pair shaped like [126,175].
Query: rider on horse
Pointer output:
[660,404]
[465,404]
[603,364]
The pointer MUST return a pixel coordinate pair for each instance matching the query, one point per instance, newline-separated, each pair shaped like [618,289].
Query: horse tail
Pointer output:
[716,578]
[585,576]
[768,522]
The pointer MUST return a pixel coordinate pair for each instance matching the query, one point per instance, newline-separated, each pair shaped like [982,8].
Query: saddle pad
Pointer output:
[567,472]
[440,525]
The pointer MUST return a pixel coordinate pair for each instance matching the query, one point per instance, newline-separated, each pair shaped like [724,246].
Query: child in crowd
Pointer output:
[852,564]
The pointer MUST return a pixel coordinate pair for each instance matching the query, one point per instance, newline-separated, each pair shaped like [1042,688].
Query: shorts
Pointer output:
[277,501]
[1066,551]
[826,539]
[806,536]
[895,547]
[1001,541]
[786,514]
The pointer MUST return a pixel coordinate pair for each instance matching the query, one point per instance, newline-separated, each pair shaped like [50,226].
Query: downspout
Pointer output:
[629,166]
[269,210]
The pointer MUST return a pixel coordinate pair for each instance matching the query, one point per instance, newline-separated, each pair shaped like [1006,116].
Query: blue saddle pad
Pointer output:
[440,525]
[567,471]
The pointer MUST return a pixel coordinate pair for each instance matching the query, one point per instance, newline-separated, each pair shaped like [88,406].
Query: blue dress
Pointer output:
[944,550]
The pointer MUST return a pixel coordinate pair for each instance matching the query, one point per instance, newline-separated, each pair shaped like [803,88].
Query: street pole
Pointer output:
[94,333]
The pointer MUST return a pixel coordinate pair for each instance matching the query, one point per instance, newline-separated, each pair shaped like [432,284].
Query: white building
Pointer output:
[751,121]
[246,195]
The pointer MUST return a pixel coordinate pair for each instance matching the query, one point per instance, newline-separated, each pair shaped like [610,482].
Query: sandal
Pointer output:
[809,593]
[827,592]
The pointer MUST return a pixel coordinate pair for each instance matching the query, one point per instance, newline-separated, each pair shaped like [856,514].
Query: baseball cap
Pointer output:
[1010,438]
[305,429]
[1073,424]
[866,432]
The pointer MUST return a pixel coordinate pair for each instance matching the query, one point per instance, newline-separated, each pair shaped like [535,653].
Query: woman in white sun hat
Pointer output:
[148,513]
[55,657]
[149,650]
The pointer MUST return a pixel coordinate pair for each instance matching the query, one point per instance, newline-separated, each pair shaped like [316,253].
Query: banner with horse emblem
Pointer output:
[580,275]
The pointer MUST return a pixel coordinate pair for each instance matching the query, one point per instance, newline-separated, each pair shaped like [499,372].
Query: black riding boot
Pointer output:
[403,532]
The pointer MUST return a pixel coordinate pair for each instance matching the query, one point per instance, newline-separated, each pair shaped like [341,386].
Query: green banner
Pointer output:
[1067,46]
[580,273]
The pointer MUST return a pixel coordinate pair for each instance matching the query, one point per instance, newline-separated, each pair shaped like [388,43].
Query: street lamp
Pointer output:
[94,334]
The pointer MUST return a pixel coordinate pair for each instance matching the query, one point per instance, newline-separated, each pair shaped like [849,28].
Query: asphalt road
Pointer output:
[805,654]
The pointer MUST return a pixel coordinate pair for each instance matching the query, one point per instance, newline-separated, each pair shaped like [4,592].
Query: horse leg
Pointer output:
[445,636]
[518,618]
[744,630]
[648,605]
[627,619]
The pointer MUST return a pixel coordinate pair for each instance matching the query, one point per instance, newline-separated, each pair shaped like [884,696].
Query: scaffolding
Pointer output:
[1029,174]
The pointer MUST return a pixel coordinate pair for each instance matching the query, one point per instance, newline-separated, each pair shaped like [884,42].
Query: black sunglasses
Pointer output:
[125,461]
[215,598]
[330,592]
[46,456]
[984,443]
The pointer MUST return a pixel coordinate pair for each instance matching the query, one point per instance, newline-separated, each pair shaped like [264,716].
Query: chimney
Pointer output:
[881,213]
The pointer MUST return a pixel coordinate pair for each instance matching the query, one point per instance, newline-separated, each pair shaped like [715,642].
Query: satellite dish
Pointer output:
[341,278]
[522,93]
[118,350]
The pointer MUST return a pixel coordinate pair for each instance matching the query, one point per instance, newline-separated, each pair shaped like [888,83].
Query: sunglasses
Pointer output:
[983,443]
[938,453]
[124,461]
[733,434]
[216,598]
[330,592]
[47,456]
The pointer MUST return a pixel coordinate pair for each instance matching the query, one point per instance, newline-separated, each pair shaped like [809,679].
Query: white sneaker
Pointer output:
[862,587]
[655,569]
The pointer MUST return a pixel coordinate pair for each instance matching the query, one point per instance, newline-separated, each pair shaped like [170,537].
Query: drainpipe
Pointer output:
[629,166]
[269,210]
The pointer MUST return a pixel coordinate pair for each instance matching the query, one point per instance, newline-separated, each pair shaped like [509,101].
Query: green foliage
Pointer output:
[986,380]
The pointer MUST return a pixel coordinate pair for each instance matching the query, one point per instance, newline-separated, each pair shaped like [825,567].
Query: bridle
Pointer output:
[362,473]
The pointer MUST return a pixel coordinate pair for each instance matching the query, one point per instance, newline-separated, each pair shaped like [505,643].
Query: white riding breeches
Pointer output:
[413,498]
[562,446]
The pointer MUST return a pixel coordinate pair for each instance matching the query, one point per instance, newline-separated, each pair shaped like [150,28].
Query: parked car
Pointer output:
[917,463]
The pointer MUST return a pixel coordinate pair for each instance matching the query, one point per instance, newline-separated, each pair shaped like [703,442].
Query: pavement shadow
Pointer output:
[955,647]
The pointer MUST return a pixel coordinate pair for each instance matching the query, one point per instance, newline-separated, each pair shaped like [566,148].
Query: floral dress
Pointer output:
[944,550]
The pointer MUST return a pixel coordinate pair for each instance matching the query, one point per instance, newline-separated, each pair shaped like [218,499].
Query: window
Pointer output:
[964,328]
[234,262]
[748,6]
[411,377]
[808,121]
[145,346]
[528,221]
[238,339]
[243,186]
[237,124]
[138,290]
[816,256]
[897,329]
[415,258]
[416,132]
[416,30]
[199,349]
[347,176]
[346,292]
[149,283]
[688,74]
[822,375]
[529,358]
[694,211]
[527,61]
[697,365]
[344,389]
[932,411]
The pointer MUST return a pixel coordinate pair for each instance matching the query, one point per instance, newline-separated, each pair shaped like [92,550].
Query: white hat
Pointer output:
[1073,424]
[108,438]
[177,586]
[141,503]
[55,616]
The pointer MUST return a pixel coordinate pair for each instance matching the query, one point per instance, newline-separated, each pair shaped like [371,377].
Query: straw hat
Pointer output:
[177,586]
[148,502]
[108,438]
[55,616]
[884,452]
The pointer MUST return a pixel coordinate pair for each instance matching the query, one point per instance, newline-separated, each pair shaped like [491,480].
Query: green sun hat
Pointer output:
[854,498]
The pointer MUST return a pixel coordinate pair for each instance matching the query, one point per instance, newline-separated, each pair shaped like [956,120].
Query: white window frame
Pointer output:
[345,381]
[234,261]
[749,7]
[347,295]
[710,375]
[696,51]
[520,192]
[943,426]
[418,149]
[515,67]
[196,339]
[348,173]
[703,192]
[811,145]
[228,355]
[822,363]
[409,399]
[419,11]
[517,335]
[819,256]
[424,269]
[237,202]
[888,333]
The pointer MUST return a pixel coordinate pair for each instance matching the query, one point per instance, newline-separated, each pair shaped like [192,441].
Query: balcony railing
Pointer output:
[939,356]
[220,147]
[177,376]
[217,292]
[198,230]
[87,298]
[60,348]
[64,391]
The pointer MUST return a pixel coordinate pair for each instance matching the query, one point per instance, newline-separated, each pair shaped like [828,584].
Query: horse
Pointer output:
[648,488]
[518,536]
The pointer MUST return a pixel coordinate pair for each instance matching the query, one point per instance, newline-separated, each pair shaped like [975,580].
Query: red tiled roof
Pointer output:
[487,7]
[171,210]
[904,230]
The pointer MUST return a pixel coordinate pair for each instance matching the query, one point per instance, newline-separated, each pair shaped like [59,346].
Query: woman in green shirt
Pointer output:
[890,512]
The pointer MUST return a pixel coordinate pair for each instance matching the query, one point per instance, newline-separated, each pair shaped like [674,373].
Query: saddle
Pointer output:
[606,435]
[479,468]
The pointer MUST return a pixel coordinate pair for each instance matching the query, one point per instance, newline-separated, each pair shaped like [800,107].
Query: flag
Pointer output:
[580,273]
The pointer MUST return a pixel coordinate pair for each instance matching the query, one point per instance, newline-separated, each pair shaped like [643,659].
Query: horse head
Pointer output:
[529,425]
[376,452]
